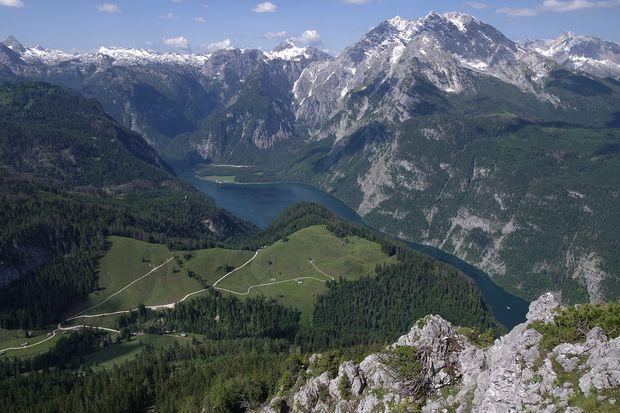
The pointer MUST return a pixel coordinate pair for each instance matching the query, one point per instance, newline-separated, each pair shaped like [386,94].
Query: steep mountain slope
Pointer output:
[450,148]
[590,54]
[253,346]
[449,50]
[71,175]
[194,106]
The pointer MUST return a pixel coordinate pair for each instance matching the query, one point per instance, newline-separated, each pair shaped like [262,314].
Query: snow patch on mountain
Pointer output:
[587,53]
[130,57]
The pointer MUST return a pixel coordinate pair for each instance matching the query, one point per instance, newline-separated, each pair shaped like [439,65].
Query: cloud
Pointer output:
[178,42]
[199,19]
[275,35]
[108,8]
[265,7]
[572,5]
[310,36]
[517,12]
[559,6]
[12,3]
[356,1]
[224,44]
[169,16]
[478,5]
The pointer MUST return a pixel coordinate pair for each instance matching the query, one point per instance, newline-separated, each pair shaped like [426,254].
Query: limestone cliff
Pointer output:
[435,368]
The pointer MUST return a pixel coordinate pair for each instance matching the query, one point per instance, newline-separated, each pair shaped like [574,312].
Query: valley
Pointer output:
[259,203]
[439,130]
[299,208]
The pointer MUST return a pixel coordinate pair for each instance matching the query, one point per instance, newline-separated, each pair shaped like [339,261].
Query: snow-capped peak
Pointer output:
[399,23]
[460,20]
[47,56]
[290,51]
[141,56]
[12,43]
[590,54]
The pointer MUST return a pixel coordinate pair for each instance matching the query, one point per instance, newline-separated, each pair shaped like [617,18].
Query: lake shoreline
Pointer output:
[262,202]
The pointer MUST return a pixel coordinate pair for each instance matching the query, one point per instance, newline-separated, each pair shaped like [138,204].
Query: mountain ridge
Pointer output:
[390,126]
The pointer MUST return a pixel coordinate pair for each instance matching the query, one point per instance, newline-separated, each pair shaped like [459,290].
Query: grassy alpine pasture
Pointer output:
[117,354]
[14,338]
[286,261]
[129,259]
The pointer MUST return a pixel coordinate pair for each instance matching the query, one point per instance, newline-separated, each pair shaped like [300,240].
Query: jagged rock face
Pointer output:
[295,59]
[187,105]
[14,44]
[590,54]
[448,50]
[510,376]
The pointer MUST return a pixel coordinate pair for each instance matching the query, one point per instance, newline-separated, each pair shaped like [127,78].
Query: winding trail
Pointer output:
[171,305]
[268,284]
[274,282]
[30,345]
[320,270]
[81,314]
[122,289]
[237,269]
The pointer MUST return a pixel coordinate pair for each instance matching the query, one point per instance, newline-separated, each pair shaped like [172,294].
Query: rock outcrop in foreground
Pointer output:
[434,368]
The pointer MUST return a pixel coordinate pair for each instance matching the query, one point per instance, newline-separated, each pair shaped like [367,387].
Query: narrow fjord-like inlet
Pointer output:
[262,203]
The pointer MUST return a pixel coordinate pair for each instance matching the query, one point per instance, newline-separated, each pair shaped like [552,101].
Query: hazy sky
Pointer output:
[197,25]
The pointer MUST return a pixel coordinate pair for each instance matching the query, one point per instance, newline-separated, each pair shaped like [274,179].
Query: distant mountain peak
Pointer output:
[14,44]
[587,53]
[289,50]
[287,44]
[398,22]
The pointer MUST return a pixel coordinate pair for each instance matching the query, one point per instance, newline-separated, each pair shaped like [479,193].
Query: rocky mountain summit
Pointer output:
[439,367]
[588,53]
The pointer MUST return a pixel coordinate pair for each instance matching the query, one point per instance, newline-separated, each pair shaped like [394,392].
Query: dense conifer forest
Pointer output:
[70,177]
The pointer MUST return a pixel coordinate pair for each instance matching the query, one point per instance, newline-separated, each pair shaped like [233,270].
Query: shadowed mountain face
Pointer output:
[69,176]
[440,130]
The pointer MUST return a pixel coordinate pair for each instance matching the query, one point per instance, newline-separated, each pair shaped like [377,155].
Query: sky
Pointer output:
[203,25]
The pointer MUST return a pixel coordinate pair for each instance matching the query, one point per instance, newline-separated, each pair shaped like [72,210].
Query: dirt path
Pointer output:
[122,289]
[237,269]
[82,315]
[274,282]
[321,271]
[268,284]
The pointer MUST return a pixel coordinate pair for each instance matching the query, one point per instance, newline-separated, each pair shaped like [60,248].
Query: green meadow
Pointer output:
[286,262]
[129,259]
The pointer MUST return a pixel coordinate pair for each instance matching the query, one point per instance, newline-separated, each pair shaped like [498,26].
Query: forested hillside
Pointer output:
[70,175]
[242,350]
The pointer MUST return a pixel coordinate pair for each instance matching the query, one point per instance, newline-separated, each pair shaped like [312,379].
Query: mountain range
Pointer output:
[438,129]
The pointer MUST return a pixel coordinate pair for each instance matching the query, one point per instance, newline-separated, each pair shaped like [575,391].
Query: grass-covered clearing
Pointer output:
[119,353]
[14,338]
[289,259]
[219,178]
[129,259]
